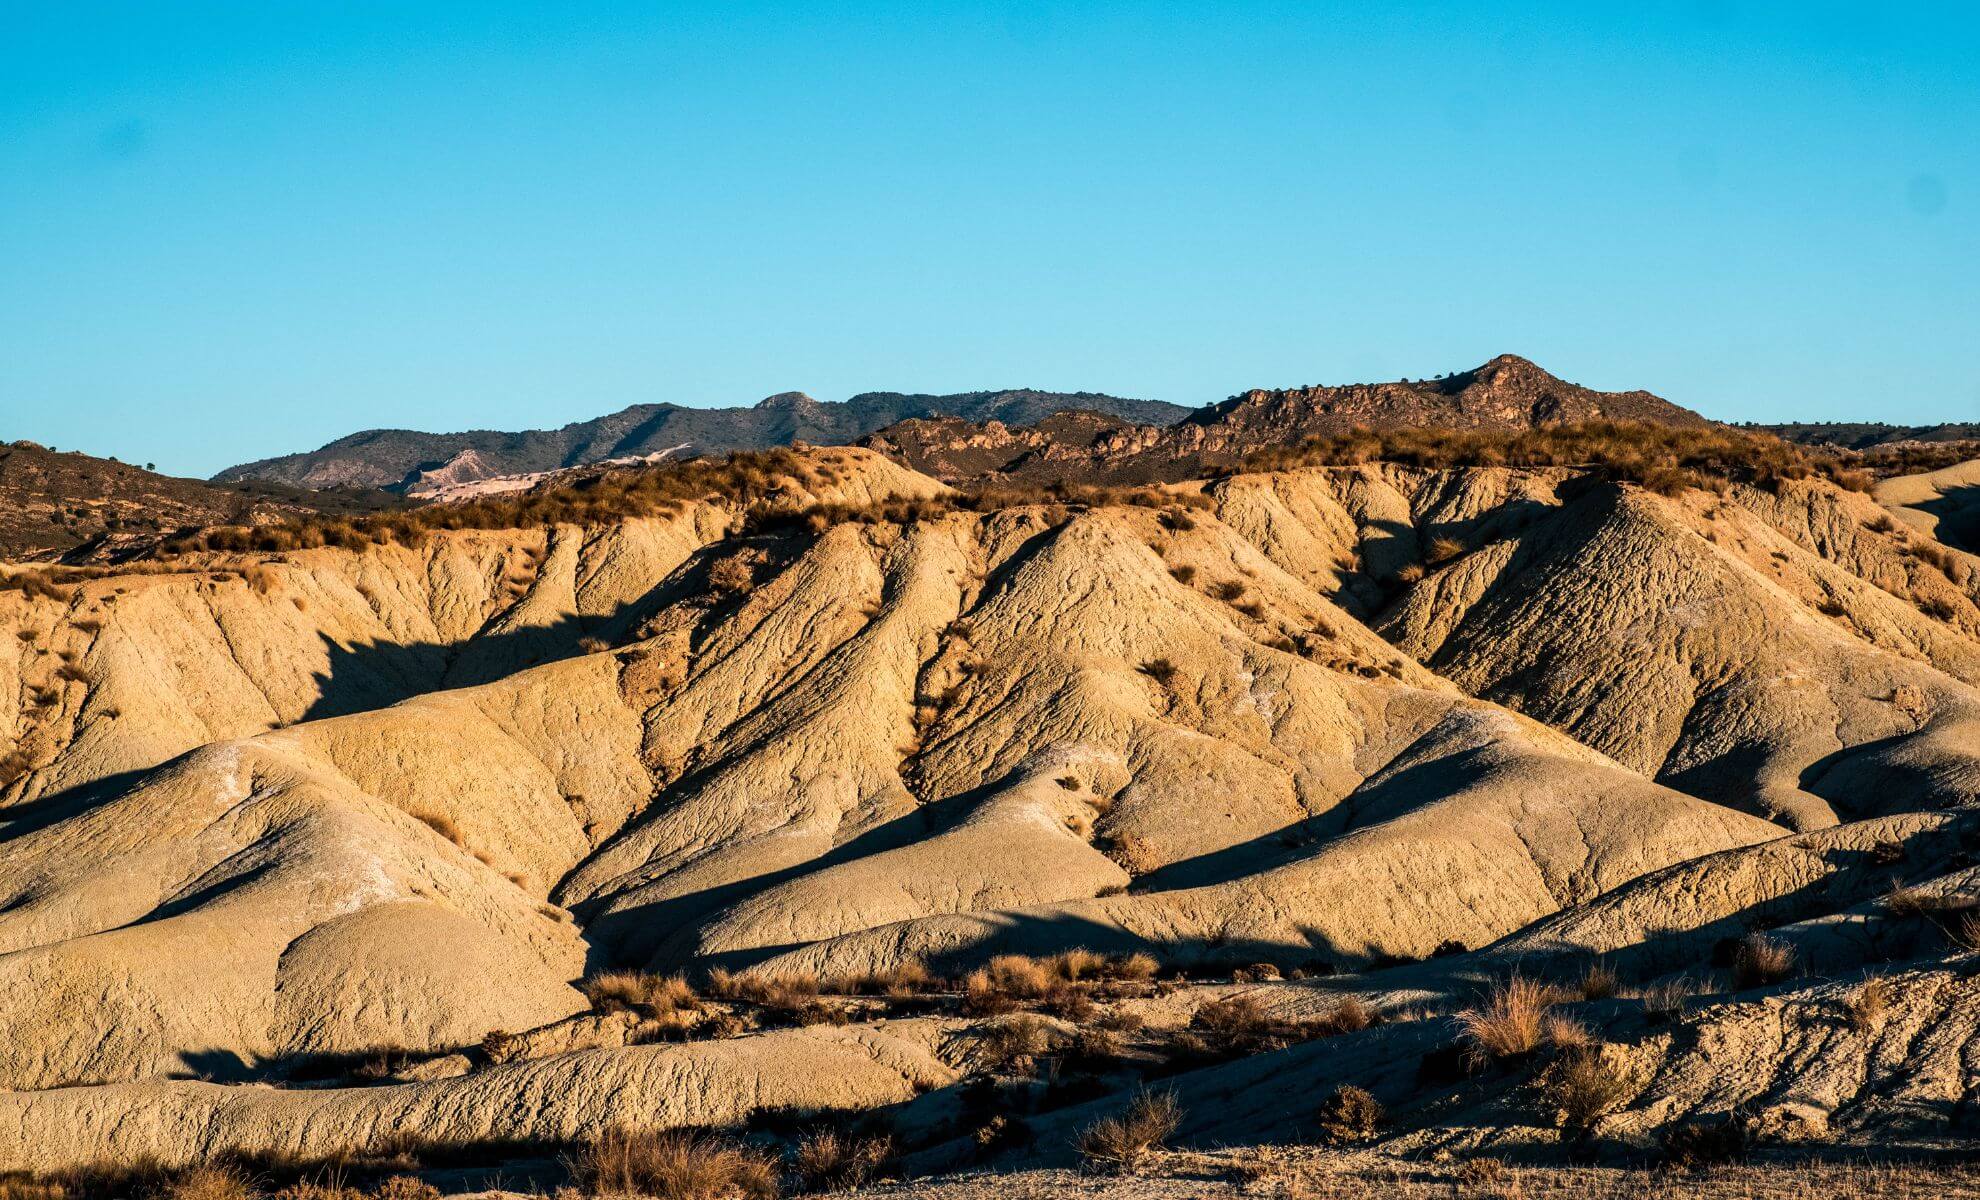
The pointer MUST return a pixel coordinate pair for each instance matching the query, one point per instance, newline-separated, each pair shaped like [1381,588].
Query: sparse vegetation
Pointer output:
[1599,982]
[1703,1143]
[1443,550]
[208,1183]
[1761,961]
[1668,459]
[1581,1087]
[1120,1143]
[829,1160]
[732,576]
[636,991]
[1349,1115]
[676,1165]
[1867,1007]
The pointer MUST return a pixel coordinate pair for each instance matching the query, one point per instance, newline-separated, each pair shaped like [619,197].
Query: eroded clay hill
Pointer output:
[262,812]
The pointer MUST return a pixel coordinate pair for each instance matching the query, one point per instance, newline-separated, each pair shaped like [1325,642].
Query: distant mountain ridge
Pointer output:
[1506,394]
[400,459]
[1864,435]
[83,508]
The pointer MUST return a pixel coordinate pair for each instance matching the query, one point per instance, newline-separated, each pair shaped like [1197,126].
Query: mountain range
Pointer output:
[405,460]
[1142,437]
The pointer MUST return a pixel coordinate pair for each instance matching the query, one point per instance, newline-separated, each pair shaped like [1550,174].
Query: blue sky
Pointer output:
[229,231]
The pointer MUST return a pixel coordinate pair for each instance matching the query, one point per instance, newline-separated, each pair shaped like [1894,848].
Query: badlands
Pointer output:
[1336,823]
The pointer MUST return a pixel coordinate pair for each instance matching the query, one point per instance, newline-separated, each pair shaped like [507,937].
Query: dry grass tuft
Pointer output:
[1120,1143]
[792,994]
[1077,964]
[899,982]
[1565,1033]
[1014,1044]
[1666,999]
[1761,961]
[208,1183]
[1006,980]
[1511,1023]
[1581,1087]
[1703,1143]
[1599,982]
[636,991]
[829,1161]
[675,1165]
[1867,1007]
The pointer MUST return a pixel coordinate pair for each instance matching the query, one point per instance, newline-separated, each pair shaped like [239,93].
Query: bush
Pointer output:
[1232,1018]
[1077,964]
[1005,980]
[1599,982]
[832,1161]
[1703,1143]
[675,1165]
[1120,1143]
[636,991]
[208,1183]
[732,576]
[788,992]
[1761,961]
[1665,1000]
[1511,1022]
[1014,1044]
[1351,1115]
[1443,549]
[1580,1087]
[1161,670]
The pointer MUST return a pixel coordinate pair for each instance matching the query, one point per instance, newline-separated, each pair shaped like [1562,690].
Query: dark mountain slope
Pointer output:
[388,458]
[75,505]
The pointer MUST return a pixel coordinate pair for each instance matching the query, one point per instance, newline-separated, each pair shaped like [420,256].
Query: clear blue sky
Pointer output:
[234,231]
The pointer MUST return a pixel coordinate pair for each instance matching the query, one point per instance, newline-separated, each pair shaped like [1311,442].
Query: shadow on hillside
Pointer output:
[1408,790]
[1854,877]
[665,928]
[364,678]
[1958,511]
[381,674]
[31,815]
